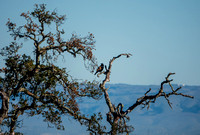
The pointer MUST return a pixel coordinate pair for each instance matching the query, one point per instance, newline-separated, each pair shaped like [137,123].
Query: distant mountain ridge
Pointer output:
[160,119]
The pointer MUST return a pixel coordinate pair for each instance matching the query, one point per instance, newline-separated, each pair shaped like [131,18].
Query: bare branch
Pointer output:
[107,79]
[147,99]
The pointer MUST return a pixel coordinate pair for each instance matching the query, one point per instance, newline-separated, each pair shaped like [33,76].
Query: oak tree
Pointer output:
[30,83]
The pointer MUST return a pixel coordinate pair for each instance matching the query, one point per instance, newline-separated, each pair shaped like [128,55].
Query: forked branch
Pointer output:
[147,99]
[107,79]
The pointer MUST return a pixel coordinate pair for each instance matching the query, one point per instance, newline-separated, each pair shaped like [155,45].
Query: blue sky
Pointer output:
[163,36]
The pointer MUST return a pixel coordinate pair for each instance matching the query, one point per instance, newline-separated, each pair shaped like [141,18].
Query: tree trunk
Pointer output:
[114,126]
[5,105]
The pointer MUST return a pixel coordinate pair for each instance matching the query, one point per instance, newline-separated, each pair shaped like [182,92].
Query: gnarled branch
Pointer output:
[107,79]
[147,99]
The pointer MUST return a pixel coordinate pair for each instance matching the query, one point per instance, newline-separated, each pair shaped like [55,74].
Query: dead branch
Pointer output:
[147,99]
[115,114]
[107,79]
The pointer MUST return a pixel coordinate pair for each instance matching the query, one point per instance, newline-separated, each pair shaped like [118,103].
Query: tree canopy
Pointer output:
[34,85]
